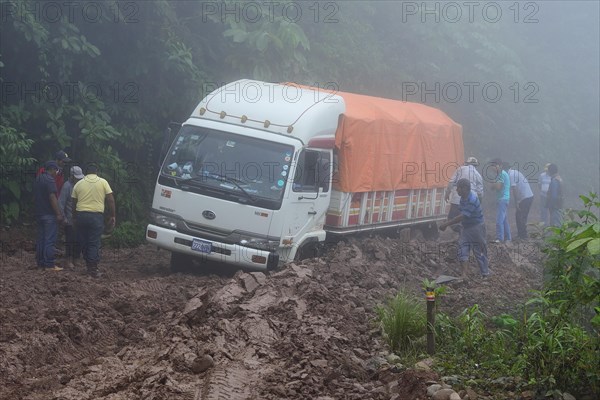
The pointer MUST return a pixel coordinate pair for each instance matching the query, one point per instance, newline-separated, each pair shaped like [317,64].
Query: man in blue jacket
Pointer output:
[47,216]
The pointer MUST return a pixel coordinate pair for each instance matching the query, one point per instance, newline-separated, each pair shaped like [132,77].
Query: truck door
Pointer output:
[310,193]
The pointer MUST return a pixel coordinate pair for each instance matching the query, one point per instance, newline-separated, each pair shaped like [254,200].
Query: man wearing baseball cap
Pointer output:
[469,172]
[47,216]
[65,202]
[60,157]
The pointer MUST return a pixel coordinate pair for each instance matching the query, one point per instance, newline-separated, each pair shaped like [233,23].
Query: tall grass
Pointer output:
[403,321]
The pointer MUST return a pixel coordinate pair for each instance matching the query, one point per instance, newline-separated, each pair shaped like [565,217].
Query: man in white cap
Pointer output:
[469,172]
[65,203]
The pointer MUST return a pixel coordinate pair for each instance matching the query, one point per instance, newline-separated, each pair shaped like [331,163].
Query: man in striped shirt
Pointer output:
[472,236]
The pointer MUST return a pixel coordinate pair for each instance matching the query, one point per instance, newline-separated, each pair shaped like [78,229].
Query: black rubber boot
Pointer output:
[92,270]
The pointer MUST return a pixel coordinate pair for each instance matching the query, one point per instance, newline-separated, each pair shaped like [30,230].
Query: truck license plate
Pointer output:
[201,246]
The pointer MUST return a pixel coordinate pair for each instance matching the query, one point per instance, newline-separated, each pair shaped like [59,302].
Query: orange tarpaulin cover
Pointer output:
[388,145]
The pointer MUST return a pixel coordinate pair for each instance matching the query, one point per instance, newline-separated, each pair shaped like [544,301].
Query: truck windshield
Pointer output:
[253,169]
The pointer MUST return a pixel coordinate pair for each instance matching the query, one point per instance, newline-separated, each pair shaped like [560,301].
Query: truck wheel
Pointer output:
[308,250]
[180,262]
[430,231]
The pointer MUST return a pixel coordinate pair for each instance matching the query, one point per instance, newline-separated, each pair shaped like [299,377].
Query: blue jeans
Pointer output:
[473,238]
[47,229]
[555,216]
[90,226]
[543,210]
[502,226]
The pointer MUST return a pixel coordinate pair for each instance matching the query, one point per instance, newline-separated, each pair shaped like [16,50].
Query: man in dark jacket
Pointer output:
[47,216]
[61,158]
[554,201]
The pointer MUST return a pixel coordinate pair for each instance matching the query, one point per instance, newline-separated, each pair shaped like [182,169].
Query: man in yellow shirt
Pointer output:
[89,195]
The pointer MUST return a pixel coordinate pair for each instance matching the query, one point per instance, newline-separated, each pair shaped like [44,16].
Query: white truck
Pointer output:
[261,172]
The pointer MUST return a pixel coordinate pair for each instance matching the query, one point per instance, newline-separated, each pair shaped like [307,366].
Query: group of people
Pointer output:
[465,193]
[76,204]
[511,185]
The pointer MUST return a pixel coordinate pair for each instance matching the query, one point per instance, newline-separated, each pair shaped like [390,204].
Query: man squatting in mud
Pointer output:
[472,236]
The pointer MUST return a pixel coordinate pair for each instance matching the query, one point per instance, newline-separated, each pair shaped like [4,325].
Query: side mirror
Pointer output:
[167,139]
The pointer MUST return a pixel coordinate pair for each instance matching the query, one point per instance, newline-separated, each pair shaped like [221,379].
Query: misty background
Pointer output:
[103,79]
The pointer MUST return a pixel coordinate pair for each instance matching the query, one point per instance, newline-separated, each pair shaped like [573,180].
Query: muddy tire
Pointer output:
[430,231]
[308,250]
[180,262]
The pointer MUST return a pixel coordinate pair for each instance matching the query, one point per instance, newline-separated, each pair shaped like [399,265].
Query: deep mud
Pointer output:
[304,332]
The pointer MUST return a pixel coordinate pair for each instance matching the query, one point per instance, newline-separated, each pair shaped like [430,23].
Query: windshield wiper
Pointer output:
[224,178]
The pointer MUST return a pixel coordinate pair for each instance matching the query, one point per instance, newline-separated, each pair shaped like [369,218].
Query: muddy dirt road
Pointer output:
[304,332]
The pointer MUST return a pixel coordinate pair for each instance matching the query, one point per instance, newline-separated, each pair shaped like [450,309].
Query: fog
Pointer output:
[521,77]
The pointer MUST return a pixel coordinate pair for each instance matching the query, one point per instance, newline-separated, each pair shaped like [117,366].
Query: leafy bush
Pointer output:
[14,153]
[573,266]
[132,188]
[127,234]
[468,346]
[555,353]
[403,321]
[555,344]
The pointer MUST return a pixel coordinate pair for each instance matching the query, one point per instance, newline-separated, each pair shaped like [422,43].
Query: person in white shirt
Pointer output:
[65,204]
[544,184]
[469,172]
[523,195]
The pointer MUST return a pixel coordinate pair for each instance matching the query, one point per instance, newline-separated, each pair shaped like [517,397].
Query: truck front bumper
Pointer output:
[234,254]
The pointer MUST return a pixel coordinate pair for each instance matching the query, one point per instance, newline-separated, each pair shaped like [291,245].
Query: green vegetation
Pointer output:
[104,84]
[403,322]
[553,344]
[127,234]
[573,266]
[14,153]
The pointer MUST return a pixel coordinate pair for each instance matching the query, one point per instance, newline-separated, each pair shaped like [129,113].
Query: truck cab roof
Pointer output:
[285,109]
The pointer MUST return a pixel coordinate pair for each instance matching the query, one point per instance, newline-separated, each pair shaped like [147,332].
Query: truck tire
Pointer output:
[308,250]
[430,231]
[180,262]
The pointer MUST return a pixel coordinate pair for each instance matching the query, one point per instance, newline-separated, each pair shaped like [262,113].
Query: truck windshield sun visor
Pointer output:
[223,178]
[214,162]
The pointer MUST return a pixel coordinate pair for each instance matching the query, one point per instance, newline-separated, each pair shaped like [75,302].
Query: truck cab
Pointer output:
[247,180]
[252,177]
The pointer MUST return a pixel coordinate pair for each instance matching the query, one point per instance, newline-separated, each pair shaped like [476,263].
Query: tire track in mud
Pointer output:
[226,382]
[90,347]
[239,317]
[96,341]
[71,339]
[300,333]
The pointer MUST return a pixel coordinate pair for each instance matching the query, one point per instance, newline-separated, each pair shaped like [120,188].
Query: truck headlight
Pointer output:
[260,244]
[163,220]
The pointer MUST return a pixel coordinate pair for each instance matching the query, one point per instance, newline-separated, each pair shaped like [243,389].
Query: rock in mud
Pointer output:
[202,363]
